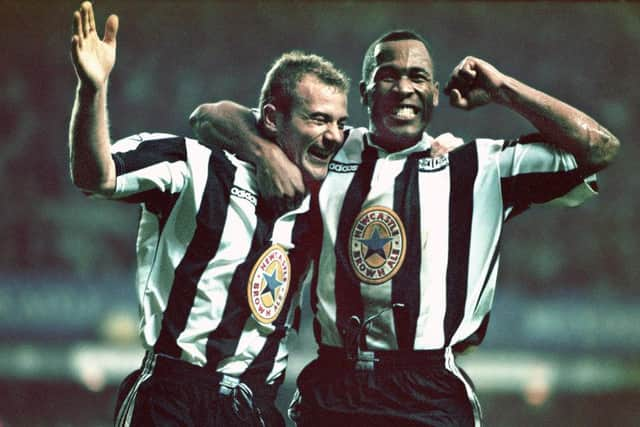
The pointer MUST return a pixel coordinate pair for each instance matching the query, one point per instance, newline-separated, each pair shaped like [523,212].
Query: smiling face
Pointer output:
[400,93]
[312,132]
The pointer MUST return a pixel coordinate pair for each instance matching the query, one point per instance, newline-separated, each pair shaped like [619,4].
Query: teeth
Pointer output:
[405,112]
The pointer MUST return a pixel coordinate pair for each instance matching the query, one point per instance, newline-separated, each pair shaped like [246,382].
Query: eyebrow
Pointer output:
[326,115]
[410,69]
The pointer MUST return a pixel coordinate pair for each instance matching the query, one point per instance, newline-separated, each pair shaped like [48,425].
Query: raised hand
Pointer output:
[93,58]
[474,83]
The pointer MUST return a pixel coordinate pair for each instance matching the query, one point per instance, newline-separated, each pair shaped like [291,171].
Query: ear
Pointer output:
[436,94]
[269,118]
[363,93]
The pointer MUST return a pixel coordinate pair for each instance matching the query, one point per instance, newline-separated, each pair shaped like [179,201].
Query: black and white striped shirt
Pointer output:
[215,281]
[416,239]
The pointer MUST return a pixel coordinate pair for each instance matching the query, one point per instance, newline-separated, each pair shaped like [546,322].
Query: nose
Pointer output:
[333,133]
[404,85]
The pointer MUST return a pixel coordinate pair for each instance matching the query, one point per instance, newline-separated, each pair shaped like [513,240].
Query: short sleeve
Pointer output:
[149,162]
[533,172]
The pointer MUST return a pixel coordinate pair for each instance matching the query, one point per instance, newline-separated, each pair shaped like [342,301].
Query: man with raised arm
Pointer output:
[218,270]
[410,245]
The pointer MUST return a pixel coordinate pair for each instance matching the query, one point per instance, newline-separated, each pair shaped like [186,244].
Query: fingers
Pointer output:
[87,23]
[463,76]
[84,12]
[76,36]
[90,17]
[445,143]
[111,29]
[279,199]
[457,100]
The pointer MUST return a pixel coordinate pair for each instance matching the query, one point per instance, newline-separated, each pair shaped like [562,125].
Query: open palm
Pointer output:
[93,58]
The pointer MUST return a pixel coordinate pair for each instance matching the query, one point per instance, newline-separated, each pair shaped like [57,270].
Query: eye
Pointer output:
[318,119]
[420,78]
[385,75]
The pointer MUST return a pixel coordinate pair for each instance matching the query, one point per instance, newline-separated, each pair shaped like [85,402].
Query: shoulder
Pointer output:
[132,142]
[354,144]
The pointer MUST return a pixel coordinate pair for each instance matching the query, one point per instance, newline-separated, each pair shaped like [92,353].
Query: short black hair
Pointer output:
[369,63]
[280,83]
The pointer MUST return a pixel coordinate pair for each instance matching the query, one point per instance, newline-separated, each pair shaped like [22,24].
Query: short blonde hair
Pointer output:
[280,83]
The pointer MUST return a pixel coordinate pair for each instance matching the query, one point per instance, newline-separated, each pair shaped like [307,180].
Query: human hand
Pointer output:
[474,83]
[279,180]
[93,58]
[444,143]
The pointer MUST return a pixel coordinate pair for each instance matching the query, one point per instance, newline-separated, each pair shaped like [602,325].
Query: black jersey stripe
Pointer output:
[347,288]
[317,235]
[463,165]
[150,152]
[522,190]
[210,222]
[299,258]
[224,339]
[406,284]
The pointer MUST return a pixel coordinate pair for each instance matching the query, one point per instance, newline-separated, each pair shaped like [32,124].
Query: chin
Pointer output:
[406,130]
[405,135]
[317,174]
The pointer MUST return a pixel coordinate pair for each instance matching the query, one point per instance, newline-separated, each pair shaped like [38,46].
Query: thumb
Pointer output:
[111,29]
[457,100]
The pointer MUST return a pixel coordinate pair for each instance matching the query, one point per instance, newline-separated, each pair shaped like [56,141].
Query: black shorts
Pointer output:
[169,392]
[425,394]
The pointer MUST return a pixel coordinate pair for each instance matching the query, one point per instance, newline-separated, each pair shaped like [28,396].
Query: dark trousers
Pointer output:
[335,393]
[173,393]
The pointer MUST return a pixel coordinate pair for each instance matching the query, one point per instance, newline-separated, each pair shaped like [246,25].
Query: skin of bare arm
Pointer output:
[475,82]
[233,127]
[90,163]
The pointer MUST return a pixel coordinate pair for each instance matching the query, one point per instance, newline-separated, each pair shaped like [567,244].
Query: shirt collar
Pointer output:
[423,145]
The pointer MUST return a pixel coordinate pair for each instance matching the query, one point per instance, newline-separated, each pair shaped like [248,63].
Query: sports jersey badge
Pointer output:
[268,284]
[377,245]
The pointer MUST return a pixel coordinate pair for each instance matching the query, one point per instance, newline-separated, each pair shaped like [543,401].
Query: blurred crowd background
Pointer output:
[563,345]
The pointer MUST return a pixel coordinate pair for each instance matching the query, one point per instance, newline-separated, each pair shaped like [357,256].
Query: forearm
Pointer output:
[232,127]
[90,162]
[229,126]
[562,125]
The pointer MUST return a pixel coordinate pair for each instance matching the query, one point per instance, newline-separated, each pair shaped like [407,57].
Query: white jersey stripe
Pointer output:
[462,200]
[198,238]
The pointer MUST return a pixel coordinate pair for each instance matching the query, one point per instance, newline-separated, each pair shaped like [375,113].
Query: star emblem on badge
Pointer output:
[375,244]
[272,284]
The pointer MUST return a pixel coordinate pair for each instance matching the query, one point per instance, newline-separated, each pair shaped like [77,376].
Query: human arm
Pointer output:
[90,163]
[475,82]
[233,127]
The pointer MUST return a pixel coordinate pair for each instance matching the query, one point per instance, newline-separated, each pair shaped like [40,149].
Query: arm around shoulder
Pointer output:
[229,126]
[233,127]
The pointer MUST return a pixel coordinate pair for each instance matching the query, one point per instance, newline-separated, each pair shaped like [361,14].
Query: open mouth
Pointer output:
[405,112]
[320,153]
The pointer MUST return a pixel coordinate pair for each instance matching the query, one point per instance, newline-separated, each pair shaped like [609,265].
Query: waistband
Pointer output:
[167,366]
[170,367]
[365,360]
[245,398]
